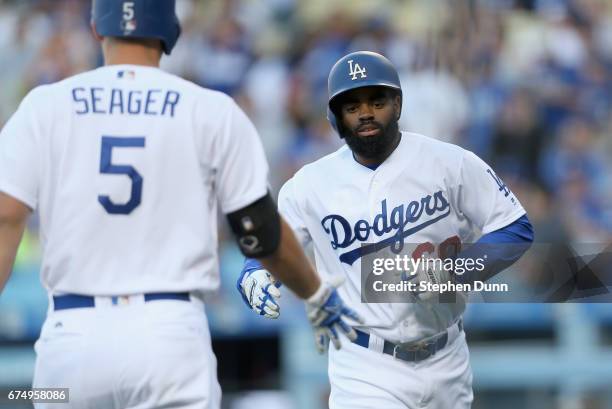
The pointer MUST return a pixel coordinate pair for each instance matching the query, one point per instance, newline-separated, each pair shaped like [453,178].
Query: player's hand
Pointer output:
[260,291]
[326,312]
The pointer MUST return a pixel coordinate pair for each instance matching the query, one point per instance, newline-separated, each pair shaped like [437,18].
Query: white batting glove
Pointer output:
[260,291]
[326,312]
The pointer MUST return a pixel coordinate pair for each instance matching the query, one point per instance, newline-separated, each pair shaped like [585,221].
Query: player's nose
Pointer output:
[366,112]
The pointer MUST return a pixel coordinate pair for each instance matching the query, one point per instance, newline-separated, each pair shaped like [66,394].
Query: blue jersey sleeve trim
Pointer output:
[519,231]
[499,250]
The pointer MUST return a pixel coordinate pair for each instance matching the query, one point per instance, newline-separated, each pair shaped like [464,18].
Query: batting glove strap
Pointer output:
[239,284]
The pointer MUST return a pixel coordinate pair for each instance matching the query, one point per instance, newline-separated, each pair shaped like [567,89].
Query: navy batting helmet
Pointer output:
[357,70]
[151,19]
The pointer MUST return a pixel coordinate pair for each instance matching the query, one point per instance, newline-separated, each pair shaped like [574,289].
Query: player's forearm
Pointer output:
[10,236]
[13,216]
[290,265]
[498,250]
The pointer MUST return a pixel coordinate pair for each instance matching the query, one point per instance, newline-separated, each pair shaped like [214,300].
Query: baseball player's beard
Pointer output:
[373,147]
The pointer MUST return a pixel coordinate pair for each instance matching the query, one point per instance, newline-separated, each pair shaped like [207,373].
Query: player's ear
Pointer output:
[397,106]
[97,36]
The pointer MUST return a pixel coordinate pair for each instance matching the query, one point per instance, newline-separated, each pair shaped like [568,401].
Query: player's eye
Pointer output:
[379,103]
[350,108]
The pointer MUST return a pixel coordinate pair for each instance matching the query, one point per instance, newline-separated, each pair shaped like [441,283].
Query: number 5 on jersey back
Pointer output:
[107,167]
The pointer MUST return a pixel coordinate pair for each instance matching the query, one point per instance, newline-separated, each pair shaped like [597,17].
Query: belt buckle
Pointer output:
[421,350]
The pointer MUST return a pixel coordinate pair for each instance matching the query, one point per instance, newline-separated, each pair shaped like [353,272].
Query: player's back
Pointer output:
[128,156]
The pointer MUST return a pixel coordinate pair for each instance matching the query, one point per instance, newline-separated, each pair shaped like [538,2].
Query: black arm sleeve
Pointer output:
[257,228]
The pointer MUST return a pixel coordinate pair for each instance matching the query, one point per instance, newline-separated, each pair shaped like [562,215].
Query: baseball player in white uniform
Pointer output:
[385,189]
[126,166]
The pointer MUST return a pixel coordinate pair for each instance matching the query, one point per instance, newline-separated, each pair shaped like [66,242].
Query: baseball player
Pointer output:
[126,166]
[383,190]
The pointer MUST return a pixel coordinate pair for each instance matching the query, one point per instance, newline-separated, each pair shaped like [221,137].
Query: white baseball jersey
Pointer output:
[427,191]
[126,165]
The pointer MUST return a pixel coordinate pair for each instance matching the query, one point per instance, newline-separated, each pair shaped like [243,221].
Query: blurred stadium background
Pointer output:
[526,84]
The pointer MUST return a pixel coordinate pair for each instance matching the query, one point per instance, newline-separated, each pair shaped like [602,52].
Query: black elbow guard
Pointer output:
[257,228]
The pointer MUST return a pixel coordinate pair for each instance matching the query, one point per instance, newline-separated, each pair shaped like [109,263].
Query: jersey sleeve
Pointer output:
[20,156]
[289,208]
[242,169]
[483,197]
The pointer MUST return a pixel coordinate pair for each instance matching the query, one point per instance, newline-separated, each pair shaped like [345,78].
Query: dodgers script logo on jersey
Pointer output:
[343,234]
[355,70]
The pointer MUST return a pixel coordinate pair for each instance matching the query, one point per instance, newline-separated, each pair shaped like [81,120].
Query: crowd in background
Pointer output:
[527,85]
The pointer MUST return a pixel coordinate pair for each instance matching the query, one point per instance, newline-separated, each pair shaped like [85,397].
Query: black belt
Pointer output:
[411,352]
[68,301]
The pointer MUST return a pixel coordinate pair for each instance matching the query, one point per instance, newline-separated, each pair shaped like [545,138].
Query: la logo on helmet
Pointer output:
[355,70]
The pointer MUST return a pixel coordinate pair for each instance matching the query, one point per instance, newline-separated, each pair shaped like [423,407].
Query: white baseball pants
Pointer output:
[362,378]
[139,356]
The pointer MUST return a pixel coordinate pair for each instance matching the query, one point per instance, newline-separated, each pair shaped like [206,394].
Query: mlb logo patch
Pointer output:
[247,223]
[120,300]
[126,74]
[128,27]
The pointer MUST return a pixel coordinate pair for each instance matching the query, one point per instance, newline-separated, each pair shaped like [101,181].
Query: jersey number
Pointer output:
[449,248]
[128,11]
[108,168]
